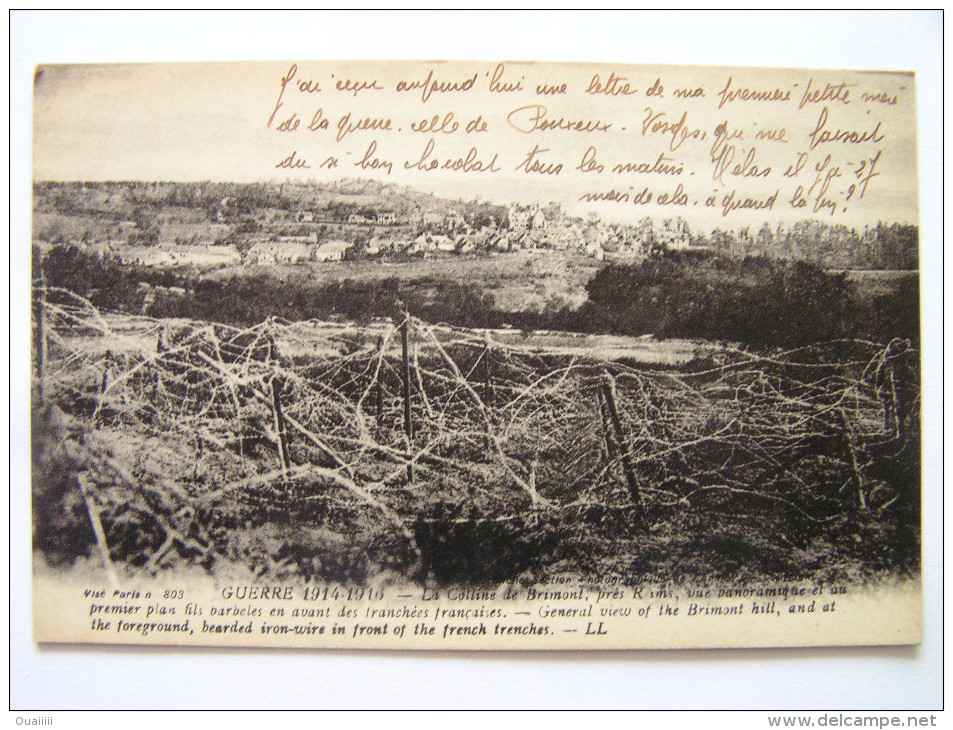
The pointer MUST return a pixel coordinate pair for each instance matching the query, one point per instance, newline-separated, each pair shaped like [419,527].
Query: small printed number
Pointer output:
[173,594]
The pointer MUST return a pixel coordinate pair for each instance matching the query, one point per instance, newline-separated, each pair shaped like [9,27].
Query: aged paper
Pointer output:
[475,355]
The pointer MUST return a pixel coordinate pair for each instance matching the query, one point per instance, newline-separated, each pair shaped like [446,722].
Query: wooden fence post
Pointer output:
[608,442]
[39,296]
[280,429]
[199,451]
[106,370]
[93,511]
[408,420]
[161,347]
[281,433]
[488,393]
[487,373]
[608,390]
[378,388]
[379,397]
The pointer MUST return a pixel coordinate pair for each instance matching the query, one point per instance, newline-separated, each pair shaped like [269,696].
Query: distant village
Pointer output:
[221,224]
[180,235]
[426,233]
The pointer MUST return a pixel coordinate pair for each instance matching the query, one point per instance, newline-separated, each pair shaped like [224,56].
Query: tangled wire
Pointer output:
[181,433]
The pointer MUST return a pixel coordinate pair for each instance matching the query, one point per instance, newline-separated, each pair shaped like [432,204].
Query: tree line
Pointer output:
[757,301]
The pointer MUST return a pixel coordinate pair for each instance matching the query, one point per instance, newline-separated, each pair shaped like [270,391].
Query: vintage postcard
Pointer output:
[475,355]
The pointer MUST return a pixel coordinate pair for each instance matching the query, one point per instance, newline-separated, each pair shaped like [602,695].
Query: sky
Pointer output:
[223,121]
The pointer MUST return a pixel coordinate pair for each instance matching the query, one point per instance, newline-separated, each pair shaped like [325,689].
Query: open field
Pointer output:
[521,280]
[871,283]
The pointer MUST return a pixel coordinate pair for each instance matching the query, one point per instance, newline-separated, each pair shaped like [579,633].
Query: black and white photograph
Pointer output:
[475,355]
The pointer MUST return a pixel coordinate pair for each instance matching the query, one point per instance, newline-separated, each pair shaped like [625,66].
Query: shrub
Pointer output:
[466,547]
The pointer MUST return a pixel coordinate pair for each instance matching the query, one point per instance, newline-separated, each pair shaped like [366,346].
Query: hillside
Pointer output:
[386,221]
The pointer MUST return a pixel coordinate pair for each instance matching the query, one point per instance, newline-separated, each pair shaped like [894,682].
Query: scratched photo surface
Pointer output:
[475,355]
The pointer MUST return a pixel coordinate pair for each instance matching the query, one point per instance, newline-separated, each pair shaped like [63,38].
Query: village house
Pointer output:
[538,220]
[379,245]
[520,216]
[207,255]
[534,217]
[674,234]
[277,252]
[375,246]
[386,218]
[428,219]
[424,243]
[430,243]
[332,251]
[445,244]
[454,220]
[304,216]
[146,256]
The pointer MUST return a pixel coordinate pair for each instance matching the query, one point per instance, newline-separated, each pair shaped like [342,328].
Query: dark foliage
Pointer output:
[461,547]
[755,301]
[106,284]
[62,530]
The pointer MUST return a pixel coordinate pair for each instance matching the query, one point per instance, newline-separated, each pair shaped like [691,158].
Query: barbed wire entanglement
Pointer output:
[315,448]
